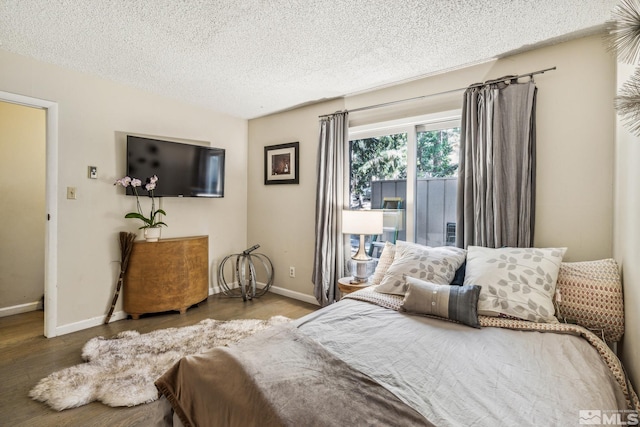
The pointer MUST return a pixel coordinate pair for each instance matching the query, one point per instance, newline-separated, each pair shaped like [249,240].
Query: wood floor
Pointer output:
[26,356]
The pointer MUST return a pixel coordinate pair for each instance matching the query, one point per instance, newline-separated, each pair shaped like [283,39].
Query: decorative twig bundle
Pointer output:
[622,35]
[627,103]
[126,245]
[623,38]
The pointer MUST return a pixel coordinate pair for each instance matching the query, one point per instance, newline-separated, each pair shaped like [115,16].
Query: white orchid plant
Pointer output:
[151,221]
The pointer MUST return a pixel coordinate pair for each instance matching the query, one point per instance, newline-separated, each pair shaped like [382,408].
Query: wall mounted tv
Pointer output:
[183,170]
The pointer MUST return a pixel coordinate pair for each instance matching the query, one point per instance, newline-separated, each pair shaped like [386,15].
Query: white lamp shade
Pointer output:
[362,222]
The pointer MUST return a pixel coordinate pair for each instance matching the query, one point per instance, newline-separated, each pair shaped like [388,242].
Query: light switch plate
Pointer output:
[71,193]
[93,172]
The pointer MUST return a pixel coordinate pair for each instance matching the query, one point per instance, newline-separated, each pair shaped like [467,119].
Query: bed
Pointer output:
[444,337]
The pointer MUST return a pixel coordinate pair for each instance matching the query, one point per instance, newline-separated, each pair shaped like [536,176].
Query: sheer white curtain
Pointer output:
[496,176]
[328,265]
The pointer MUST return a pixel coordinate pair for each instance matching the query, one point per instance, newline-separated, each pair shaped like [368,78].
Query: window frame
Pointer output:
[411,126]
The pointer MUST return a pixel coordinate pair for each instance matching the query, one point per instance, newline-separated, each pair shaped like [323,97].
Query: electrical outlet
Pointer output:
[71,193]
[292,272]
[93,172]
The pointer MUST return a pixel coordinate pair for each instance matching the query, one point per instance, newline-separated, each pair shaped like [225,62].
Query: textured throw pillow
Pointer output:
[589,293]
[386,258]
[457,303]
[516,282]
[458,279]
[436,265]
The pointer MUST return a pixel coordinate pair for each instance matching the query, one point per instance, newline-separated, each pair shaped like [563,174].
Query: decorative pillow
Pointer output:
[516,282]
[589,293]
[459,303]
[458,279]
[436,265]
[386,258]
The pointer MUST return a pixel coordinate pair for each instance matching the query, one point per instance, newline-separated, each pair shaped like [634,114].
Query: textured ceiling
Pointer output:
[249,58]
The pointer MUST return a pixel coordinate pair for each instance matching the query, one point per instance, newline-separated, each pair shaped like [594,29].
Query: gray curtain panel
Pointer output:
[328,263]
[496,175]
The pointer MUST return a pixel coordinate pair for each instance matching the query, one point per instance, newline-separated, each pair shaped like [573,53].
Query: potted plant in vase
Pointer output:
[151,225]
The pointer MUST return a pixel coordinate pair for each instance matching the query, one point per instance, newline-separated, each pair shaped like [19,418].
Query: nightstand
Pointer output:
[346,287]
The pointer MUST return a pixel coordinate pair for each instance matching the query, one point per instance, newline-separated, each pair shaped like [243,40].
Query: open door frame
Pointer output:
[51,203]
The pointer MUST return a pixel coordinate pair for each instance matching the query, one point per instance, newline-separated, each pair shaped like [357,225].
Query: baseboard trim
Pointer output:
[293,294]
[276,290]
[89,323]
[19,309]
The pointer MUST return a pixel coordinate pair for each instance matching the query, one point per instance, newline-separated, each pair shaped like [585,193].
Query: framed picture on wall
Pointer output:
[281,164]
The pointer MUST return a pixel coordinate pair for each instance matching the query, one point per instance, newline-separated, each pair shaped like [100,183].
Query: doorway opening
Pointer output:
[50,211]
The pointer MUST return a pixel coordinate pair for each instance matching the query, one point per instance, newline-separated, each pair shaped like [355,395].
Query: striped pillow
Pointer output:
[589,293]
[459,303]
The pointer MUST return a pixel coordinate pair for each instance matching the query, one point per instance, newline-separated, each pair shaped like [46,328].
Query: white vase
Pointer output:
[152,234]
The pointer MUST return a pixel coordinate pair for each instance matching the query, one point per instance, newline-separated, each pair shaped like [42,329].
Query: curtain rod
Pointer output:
[386,104]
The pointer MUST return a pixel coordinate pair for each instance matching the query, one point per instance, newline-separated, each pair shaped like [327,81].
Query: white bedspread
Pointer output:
[455,375]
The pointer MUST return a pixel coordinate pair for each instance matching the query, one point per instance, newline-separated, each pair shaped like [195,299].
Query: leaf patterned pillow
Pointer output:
[435,265]
[516,282]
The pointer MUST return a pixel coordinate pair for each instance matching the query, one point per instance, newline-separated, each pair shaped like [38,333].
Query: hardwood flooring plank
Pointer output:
[26,356]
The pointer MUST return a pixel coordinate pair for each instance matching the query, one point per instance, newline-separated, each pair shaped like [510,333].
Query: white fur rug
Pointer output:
[121,371]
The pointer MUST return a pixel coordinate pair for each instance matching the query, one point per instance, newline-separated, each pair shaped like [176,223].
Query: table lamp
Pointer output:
[362,222]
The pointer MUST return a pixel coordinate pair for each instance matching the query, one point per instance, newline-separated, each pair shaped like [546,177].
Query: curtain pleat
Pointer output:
[329,252]
[496,175]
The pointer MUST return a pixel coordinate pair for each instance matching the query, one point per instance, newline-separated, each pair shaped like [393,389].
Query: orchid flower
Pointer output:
[123,181]
[151,221]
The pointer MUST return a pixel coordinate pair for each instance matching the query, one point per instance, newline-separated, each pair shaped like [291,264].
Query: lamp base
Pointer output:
[361,269]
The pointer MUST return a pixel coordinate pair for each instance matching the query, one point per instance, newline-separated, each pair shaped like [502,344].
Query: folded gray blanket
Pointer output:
[279,377]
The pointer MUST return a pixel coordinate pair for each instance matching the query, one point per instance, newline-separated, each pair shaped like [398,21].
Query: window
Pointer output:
[436,183]
[409,166]
[374,160]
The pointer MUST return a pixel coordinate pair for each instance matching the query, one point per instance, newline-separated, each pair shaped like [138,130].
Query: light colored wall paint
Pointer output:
[574,206]
[627,235]
[575,172]
[92,112]
[281,217]
[575,153]
[22,179]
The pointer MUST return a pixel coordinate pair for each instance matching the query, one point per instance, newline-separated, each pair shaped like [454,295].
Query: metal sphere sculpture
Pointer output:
[243,281]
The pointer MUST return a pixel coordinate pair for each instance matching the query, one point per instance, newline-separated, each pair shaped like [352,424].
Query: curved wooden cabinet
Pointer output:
[171,274]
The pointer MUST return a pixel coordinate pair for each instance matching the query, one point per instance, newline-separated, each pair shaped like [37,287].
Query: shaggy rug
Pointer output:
[121,371]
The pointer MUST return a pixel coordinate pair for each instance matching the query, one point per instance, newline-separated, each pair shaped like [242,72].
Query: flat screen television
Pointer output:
[183,170]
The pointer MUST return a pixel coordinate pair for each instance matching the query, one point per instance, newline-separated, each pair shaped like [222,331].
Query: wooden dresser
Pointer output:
[171,274]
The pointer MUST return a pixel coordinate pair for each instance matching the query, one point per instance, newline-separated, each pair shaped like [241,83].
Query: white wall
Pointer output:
[575,150]
[92,112]
[575,154]
[22,179]
[575,171]
[627,235]
[281,217]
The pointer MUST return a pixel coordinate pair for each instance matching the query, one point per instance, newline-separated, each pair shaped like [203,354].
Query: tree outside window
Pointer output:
[437,155]
[379,171]
[385,158]
[376,159]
